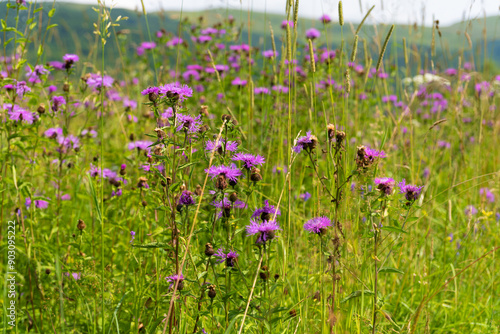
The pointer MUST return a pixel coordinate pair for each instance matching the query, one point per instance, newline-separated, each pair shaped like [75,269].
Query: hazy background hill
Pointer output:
[74,33]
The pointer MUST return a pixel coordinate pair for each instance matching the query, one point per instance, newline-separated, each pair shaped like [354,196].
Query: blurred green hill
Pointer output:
[75,33]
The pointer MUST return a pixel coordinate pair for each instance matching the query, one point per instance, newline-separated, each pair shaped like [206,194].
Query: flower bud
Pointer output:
[81,225]
[209,250]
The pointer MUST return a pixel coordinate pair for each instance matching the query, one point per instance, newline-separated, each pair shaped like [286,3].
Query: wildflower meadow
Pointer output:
[232,175]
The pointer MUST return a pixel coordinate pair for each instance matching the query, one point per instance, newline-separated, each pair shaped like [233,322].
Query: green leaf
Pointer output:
[52,26]
[391,270]
[356,294]
[393,229]
[51,12]
[40,50]
[201,275]
[187,165]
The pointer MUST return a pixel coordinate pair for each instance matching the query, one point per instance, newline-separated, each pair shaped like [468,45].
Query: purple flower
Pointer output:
[191,74]
[76,276]
[22,88]
[266,230]
[39,203]
[129,104]
[317,225]
[231,146]
[280,89]
[230,257]
[57,101]
[249,160]
[226,205]
[266,212]
[151,90]
[182,91]
[132,236]
[186,198]
[232,172]
[285,23]
[97,81]
[303,142]
[34,75]
[269,53]
[69,60]
[325,19]
[483,87]
[141,145]
[176,278]
[238,82]
[411,192]
[305,196]
[188,123]
[18,114]
[174,41]
[312,33]
[451,72]
[485,192]
[443,144]
[385,184]
[261,90]
[470,210]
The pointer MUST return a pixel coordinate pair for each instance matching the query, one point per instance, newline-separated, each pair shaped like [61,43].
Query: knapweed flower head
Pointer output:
[325,19]
[266,230]
[22,88]
[317,225]
[18,114]
[53,132]
[57,101]
[69,60]
[230,257]
[34,74]
[238,82]
[229,172]
[410,191]
[188,123]
[249,160]
[286,23]
[176,278]
[266,212]
[141,145]
[176,90]
[385,185]
[39,203]
[230,146]
[186,198]
[97,81]
[269,53]
[305,142]
[312,33]
[226,205]
[366,156]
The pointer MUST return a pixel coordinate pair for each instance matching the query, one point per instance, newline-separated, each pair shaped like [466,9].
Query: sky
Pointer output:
[387,11]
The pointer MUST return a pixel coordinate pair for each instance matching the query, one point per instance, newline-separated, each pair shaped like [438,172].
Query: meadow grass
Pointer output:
[246,188]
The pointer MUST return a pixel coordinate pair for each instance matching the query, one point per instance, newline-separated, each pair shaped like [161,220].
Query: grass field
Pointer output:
[333,179]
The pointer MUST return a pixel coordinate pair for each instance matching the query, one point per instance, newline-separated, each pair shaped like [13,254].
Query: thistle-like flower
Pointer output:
[317,225]
[411,192]
[266,230]
[249,160]
[230,257]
